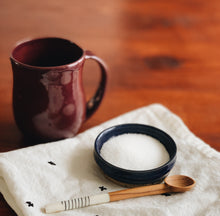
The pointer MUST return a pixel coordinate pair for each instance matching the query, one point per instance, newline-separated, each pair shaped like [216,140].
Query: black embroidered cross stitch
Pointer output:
[166,194]
[30,204]
[51,163]
[102,188]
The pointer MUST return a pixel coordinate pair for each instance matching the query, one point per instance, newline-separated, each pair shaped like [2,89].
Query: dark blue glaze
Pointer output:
[131,176]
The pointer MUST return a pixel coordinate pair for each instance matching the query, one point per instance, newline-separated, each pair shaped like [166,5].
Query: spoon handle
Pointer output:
[139,192]
[107,197]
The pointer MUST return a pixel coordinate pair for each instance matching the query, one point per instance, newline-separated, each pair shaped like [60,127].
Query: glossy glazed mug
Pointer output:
[48,97]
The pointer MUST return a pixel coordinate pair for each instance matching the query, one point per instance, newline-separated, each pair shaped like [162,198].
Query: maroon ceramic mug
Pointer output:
[48,97]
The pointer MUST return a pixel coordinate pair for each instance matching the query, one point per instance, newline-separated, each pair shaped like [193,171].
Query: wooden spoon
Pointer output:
[176,183]
[173,184]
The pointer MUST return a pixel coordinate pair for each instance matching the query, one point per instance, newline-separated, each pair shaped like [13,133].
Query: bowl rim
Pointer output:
[172,158]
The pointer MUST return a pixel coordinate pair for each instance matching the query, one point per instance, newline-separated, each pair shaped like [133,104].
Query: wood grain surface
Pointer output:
[157,51]
[139,192]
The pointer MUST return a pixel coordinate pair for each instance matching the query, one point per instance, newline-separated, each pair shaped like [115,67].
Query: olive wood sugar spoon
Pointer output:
[172,184]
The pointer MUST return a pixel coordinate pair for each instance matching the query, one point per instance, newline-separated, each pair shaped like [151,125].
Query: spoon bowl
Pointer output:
[180,183]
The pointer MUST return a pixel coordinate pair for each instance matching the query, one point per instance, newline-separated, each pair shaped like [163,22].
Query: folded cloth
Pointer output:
[32,177]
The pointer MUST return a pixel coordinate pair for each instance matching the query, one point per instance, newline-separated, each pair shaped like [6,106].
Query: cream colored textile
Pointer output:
[32,177]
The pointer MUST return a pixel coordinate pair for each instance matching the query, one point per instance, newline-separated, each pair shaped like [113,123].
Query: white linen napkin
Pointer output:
[32,177]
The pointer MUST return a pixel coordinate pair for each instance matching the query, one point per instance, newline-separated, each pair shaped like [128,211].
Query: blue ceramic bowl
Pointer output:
[132,177]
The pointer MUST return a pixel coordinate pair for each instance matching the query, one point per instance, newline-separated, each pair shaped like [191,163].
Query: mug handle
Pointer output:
[94,102]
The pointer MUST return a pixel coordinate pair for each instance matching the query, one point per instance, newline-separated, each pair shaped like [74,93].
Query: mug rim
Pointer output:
[21,42]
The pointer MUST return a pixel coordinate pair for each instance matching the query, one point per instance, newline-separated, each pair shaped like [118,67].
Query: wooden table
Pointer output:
[158,52]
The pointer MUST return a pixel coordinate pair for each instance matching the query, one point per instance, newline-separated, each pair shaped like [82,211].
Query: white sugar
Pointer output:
[134,152]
